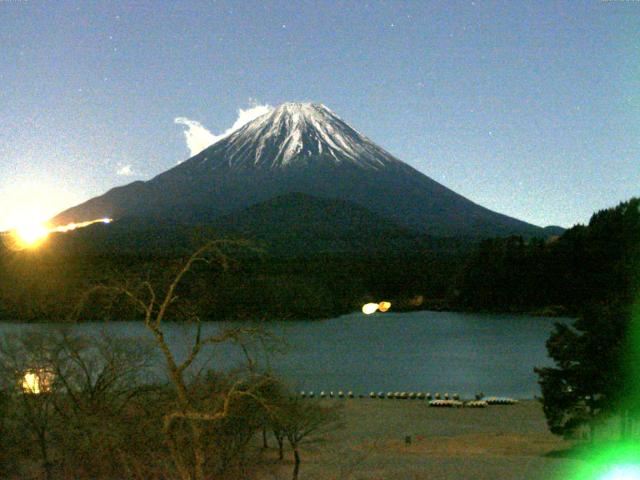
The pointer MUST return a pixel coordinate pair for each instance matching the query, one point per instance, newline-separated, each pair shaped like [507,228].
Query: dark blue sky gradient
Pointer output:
[528,108]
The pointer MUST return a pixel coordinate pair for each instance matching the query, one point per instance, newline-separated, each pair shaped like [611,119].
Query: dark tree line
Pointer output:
[586,264]
[597,358]
[514,274]
[46,284]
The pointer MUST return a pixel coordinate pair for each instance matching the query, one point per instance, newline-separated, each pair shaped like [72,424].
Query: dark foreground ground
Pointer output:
[498,442]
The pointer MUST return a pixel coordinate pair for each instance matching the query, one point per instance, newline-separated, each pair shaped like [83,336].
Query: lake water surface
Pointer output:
[418,351]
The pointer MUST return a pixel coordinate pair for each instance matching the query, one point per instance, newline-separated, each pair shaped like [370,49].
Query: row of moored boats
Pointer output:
[435,400]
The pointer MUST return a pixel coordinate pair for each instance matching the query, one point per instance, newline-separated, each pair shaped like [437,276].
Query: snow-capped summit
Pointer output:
[303,148]
[292,135]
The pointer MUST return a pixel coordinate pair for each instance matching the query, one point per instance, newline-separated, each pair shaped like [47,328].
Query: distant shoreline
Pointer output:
[428,306]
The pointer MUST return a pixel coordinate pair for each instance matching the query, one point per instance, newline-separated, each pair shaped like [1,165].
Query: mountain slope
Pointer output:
[305,148]
[298,224]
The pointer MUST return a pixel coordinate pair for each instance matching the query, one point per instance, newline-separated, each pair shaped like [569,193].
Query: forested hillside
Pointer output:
[586,264]
[550,276]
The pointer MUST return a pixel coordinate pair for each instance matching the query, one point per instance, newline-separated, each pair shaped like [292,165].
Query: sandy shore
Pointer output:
[498,442]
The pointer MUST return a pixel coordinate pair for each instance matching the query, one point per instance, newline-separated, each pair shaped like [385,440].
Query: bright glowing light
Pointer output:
[27,196]
[623,472]
[369,308]
[609,461]
[37,381]
[384,306]
[30,234]
[74,226]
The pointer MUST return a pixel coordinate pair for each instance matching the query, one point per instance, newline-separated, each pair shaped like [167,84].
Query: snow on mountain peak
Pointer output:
[297,134]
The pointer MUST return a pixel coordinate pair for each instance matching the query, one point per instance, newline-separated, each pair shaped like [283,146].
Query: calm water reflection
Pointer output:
[419,351]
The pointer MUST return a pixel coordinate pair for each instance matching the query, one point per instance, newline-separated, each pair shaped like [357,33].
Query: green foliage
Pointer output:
[588,382]
[598,357]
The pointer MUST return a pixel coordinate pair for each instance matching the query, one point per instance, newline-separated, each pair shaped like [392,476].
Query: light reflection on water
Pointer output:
[418,351]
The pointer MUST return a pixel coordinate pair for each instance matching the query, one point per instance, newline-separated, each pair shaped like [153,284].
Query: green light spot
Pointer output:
[617,461]
[623,472]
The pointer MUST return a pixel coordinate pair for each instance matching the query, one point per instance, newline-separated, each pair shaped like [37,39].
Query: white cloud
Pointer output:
[125,170]
[198,137]
[245,116]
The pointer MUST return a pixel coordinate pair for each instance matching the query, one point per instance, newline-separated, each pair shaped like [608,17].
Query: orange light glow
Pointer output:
[31,234]
[37,381]
[384,306]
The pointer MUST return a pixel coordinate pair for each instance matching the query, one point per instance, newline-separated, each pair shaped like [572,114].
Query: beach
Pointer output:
[506,442]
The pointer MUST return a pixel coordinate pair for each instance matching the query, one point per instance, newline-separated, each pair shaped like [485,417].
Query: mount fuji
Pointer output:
[298,148]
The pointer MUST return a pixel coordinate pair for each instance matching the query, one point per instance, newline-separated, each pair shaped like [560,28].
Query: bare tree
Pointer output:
[67,396]
[101,385]
[24,368]
[299,421]
[155,305]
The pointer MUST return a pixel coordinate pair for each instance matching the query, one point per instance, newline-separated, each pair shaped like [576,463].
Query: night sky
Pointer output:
[529,108]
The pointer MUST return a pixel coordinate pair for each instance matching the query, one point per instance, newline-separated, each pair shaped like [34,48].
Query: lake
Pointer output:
[418,351]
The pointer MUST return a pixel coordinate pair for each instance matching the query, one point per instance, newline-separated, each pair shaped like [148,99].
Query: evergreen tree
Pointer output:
[597,358]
